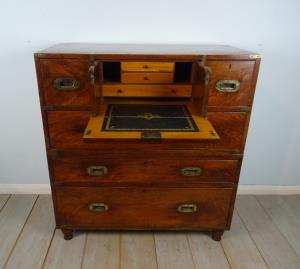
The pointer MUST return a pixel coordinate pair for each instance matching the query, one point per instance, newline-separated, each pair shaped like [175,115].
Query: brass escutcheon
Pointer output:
[66,84]
[228,86]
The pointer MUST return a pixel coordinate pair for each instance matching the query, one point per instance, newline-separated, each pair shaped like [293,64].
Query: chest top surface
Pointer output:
[145,49]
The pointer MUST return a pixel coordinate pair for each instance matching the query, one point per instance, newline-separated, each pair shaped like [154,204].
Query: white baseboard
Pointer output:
[243,189]
[25,189]
[268,190]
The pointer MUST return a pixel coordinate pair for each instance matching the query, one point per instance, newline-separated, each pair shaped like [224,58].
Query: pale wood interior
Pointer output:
[149,81]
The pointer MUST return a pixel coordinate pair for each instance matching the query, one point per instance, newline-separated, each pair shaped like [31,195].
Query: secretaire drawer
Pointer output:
[65,82]
[143,171]
[147,66]
[66,130]
[147,77]
[147,208]
[231,83]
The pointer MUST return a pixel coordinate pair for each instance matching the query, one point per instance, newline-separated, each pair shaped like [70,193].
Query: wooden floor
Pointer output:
[265,234]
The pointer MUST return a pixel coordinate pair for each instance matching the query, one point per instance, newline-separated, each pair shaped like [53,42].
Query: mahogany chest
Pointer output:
[145,137]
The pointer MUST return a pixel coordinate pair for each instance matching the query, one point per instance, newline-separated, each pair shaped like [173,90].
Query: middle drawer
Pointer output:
[143,171]
[146,77]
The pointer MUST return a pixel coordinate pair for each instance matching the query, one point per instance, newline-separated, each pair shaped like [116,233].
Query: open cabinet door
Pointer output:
[201,85]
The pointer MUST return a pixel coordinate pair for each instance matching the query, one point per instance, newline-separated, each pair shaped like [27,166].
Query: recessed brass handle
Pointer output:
[191,171]
[187,208]
[98,207]
[97,170]
[228,85]
[66,84]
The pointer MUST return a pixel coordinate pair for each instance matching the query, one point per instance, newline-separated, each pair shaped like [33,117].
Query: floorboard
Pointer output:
[138,250]
[206,253]
[33,243]
[12,219]
[240,249]
[285,218]
[65,254]
[173,251]
[276,250]
[3,200]
[102,251]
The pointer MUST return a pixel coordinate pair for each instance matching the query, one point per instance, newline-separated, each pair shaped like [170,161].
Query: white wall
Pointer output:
[268,27]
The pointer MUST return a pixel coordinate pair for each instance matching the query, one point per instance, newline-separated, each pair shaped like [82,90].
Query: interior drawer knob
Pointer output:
[187,208]
[97,170]
[146,78]
[119,91]
[98,207]
[146,66]
[191,171]
[228,85]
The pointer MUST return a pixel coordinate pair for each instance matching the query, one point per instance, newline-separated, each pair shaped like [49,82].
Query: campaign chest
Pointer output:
[145,137]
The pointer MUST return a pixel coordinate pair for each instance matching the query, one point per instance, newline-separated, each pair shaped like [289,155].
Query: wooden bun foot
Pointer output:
[217,235]
[68,234]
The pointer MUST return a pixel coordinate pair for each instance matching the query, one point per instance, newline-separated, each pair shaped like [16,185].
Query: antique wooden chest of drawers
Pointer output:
[145,137]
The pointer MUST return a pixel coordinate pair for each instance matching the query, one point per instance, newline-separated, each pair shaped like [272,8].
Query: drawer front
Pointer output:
[136,90]
[143,171]
[147,66]
[66,129]
[231,83]
[65,82]
[147,78]
[143,208]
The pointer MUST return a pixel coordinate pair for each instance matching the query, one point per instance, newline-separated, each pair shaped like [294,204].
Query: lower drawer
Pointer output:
[143,208]
[145,171]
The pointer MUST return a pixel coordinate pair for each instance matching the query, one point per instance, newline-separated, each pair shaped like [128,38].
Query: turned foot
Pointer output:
[217,235]
[68,234]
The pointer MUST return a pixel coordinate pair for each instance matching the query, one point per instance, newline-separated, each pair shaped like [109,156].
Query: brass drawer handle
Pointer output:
[66,84]
[228,85]
[97,170]
[187,208]
[98,207]
[191,171]
[145,66]
[146,78]
[119,91]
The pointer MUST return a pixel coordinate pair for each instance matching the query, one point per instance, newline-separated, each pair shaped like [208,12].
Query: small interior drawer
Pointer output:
[146,77]
[155,91]
[147,66]
[147,208]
